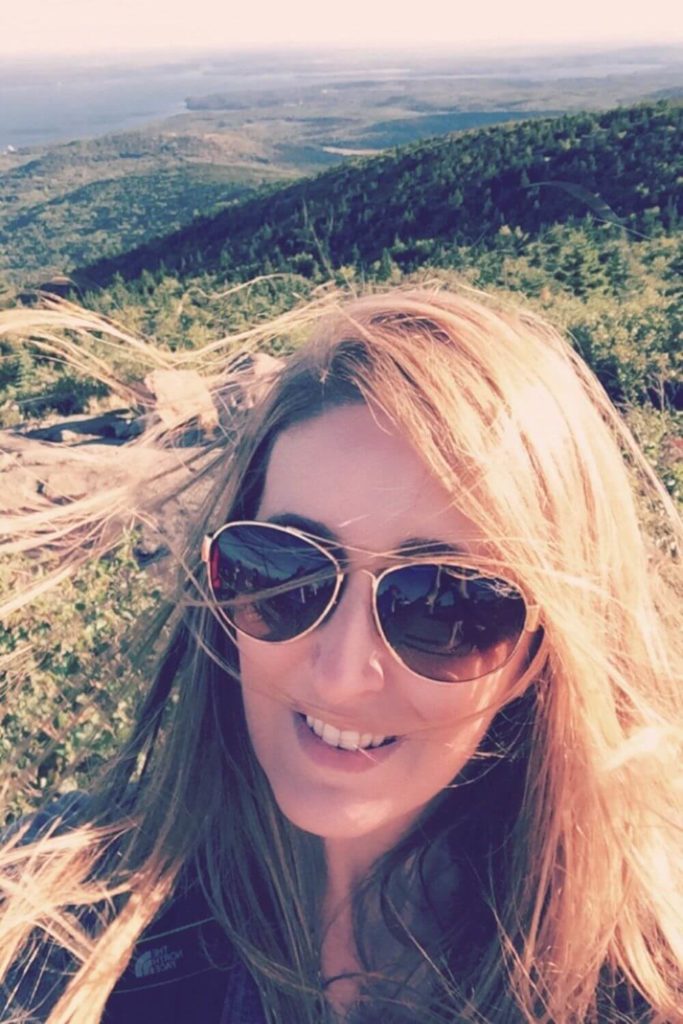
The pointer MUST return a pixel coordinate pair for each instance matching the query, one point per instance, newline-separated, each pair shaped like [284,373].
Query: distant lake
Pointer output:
[42,103]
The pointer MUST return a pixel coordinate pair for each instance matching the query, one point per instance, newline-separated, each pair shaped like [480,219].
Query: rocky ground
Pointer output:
[65,463]
[63,460]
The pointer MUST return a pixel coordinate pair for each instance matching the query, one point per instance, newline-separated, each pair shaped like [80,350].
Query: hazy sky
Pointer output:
[63,26]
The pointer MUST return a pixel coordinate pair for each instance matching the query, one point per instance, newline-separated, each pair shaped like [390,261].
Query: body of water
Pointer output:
[43,103]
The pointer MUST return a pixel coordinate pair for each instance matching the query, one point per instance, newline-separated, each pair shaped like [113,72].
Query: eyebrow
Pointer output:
[310,526]
[411,546]
[427,545]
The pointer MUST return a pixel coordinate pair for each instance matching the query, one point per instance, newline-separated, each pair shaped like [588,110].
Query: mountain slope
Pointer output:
[621,165]
[95,198]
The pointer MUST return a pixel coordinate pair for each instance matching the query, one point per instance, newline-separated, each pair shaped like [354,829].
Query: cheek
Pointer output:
[450,743]
[267,669]
[458,708]
[262,711]
[267,674]
[450,722]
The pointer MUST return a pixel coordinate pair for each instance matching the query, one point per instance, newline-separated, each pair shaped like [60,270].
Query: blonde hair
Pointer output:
[568,843]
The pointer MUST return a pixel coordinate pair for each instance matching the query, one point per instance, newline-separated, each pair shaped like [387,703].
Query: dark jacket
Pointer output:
[171,979]
[182,969]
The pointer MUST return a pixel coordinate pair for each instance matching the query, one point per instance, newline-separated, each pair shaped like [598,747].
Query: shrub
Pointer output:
[69,690]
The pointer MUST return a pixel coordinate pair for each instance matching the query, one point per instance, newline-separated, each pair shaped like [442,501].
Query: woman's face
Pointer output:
[368,489]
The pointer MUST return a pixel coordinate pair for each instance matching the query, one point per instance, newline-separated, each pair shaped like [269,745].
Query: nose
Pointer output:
[347,659]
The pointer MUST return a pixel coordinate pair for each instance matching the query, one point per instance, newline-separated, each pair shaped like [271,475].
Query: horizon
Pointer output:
[422,53]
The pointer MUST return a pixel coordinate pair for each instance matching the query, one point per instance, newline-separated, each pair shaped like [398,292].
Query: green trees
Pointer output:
[620,167]
[106,217]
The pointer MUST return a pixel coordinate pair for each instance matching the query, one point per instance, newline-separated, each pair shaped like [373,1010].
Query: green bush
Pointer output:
[69,690]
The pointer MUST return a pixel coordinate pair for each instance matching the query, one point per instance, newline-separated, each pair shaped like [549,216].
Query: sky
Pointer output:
[62,27]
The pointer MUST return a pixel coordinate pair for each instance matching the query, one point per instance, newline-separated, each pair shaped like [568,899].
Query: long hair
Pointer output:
[564,829]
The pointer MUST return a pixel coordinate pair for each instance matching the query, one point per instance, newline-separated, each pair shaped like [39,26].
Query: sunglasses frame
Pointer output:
[531,617]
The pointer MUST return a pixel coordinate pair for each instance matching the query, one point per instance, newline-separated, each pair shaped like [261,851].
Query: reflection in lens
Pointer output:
[257,558]
[449,624]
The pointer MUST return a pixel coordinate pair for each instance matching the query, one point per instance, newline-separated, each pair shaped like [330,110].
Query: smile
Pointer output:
[345,739]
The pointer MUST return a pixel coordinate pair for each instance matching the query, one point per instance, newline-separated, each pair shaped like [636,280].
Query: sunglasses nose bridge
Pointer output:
[371,598]
[359,594]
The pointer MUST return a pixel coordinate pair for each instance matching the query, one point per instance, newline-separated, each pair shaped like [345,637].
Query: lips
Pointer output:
[346,739]
[339,759]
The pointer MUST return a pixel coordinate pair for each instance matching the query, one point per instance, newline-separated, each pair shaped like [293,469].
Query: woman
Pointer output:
[414,752]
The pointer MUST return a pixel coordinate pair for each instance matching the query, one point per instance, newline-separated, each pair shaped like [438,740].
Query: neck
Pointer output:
[350,859]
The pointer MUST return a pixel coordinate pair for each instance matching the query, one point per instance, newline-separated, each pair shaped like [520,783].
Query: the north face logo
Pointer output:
[157,961]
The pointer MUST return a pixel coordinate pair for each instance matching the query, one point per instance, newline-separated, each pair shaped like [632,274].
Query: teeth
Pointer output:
[347,739]
[331,735]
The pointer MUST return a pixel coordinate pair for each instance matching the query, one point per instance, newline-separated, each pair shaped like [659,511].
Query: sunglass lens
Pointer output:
[449,624]
[272,584]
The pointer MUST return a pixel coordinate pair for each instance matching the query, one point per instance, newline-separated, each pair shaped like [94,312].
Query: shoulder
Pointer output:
[184,967]
[33,984]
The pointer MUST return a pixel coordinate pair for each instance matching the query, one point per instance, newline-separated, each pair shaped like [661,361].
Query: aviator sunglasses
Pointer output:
[443,620]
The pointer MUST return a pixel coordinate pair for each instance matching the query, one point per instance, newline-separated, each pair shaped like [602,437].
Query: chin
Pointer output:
[344,819]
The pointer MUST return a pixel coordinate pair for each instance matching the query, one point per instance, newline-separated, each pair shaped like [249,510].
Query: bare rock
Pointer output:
[36,475]
[181,396]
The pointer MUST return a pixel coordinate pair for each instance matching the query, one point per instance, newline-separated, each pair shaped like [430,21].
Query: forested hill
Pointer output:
[418,201]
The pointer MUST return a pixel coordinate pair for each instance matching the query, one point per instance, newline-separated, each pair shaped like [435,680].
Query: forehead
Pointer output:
[351,471]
